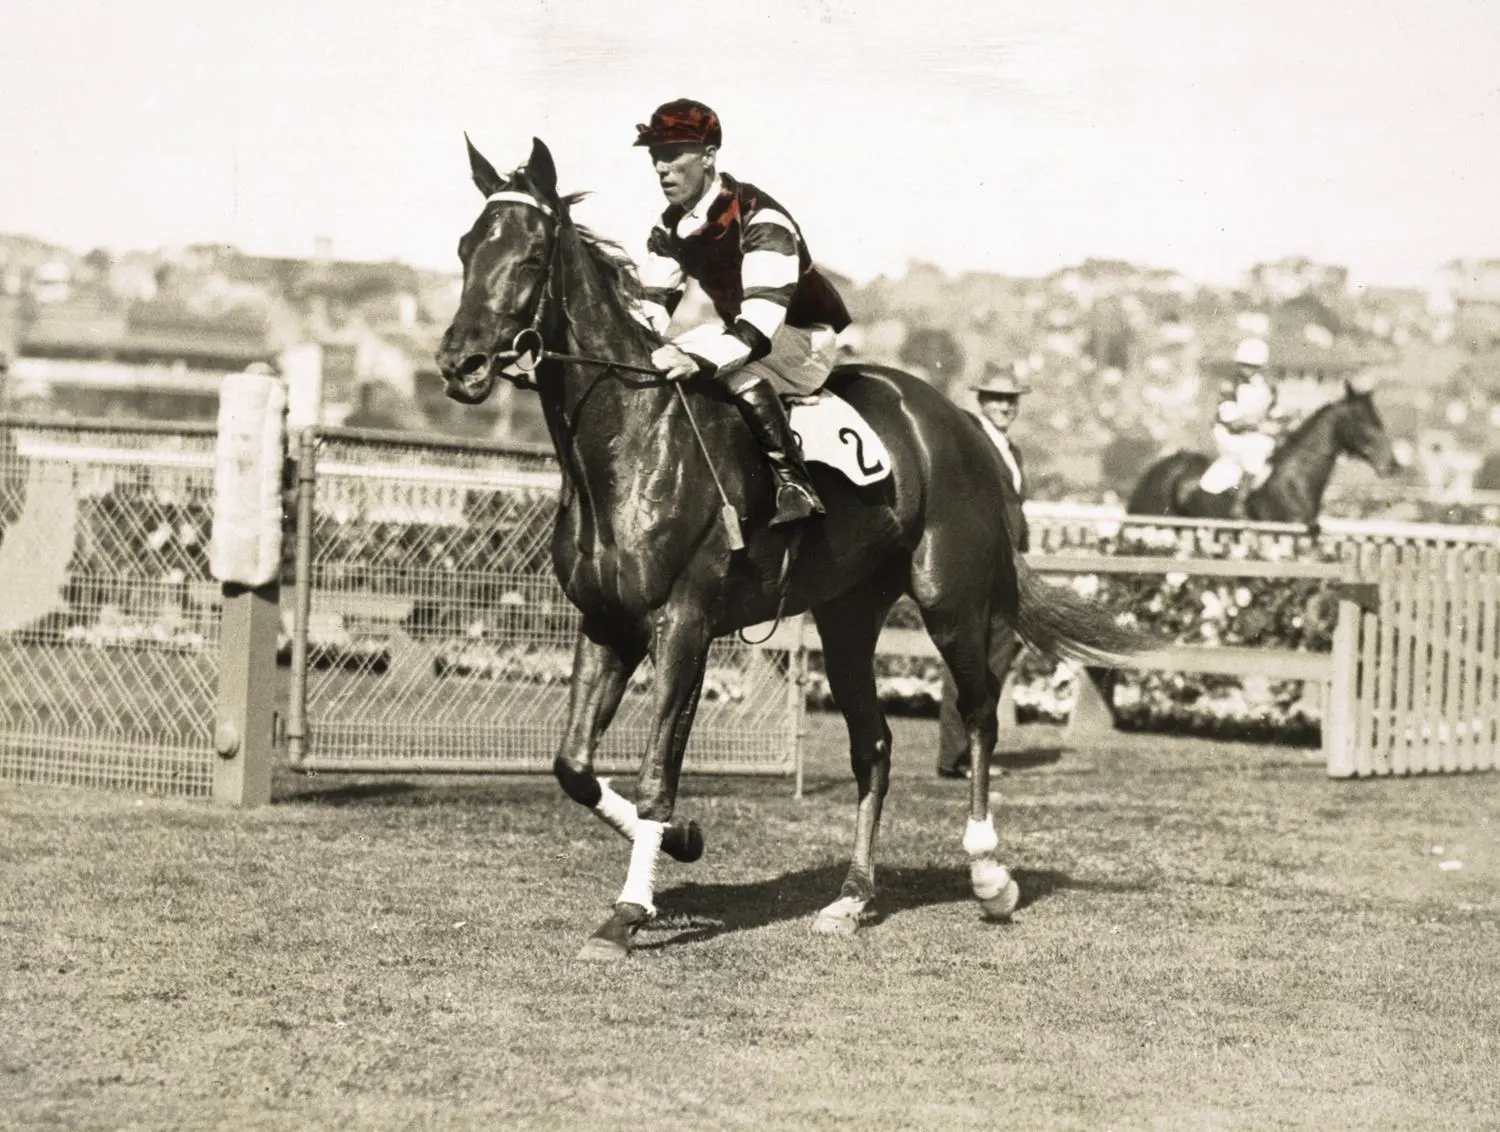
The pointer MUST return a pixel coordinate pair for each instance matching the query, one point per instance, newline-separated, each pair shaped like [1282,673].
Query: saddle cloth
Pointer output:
[829,431]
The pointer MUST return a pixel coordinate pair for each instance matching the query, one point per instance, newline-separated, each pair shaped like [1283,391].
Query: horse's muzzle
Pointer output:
[471,381]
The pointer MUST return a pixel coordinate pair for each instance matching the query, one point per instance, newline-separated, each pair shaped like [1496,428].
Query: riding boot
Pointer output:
[767,420]
[1239,507]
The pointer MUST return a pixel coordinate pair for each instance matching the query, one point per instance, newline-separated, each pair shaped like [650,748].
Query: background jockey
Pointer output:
[778,317]
[1246,428]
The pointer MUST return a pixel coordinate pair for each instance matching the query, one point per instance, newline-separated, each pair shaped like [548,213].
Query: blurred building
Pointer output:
[87,355]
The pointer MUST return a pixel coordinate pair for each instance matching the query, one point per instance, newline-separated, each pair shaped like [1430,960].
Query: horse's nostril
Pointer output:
[472,364]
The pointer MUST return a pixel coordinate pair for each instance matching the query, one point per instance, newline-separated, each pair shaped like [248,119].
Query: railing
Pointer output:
[431,634]
[423,629]
[109,634]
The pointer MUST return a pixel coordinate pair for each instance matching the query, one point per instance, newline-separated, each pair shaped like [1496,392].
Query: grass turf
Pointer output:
[1211,936]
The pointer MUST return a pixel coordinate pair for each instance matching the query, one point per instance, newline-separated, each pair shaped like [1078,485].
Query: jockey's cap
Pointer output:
[1252,352]
[681,121]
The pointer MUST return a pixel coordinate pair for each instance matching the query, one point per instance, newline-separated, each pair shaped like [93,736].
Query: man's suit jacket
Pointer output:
[1012,497]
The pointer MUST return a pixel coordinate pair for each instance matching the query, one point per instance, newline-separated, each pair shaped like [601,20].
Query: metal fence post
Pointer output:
[307,485]
[245,735]
[797,697]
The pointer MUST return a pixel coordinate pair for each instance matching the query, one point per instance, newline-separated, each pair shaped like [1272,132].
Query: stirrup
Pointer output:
[794,503]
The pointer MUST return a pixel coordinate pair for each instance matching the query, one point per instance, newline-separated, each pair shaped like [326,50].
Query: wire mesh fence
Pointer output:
[438,637]
[109,632]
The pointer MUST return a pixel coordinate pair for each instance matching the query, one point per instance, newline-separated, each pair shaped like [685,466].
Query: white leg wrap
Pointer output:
[980,837]
[988,877]
[616,812]
[640,882]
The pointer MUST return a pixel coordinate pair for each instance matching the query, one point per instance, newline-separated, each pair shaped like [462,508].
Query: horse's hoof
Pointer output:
[613,939]
[841,918]
[599,950]
[682,842]
[1001,905]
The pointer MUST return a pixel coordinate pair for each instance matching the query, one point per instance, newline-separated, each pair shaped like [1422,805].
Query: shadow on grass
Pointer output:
[350,793]
[416,794]
[1027,759]
[693,913]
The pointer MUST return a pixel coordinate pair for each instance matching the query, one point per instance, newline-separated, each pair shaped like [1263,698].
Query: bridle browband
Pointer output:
[527,349]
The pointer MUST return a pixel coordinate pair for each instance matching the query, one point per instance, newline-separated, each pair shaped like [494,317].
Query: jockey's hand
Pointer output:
[673,362]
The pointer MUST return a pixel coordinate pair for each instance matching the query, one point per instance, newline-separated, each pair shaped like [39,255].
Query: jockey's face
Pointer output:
[684,171]
[1000,411]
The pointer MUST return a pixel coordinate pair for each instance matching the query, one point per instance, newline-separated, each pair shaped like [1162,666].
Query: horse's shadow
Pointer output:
[693,913]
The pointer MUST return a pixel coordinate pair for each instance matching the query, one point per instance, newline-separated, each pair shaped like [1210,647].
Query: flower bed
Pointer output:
[1177,608]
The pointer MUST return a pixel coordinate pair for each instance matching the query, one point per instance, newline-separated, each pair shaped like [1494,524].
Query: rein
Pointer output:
[529,350]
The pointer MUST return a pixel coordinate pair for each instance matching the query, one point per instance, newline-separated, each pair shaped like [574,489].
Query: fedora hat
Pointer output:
[1000,382]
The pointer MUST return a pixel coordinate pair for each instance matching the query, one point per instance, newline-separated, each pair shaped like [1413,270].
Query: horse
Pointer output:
[645,551]
[1299,473]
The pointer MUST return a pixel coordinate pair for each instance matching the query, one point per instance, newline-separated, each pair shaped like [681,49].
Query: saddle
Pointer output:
[830,431]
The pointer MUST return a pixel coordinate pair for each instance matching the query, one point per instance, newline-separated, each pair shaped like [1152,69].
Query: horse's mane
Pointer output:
[616,272]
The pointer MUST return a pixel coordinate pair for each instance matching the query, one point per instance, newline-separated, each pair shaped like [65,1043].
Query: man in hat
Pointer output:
[778,317]
[999,397]
[1246,427]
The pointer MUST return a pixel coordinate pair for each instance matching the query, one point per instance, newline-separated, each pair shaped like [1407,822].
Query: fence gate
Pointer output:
[109,631]
[431,634]
[1423,662]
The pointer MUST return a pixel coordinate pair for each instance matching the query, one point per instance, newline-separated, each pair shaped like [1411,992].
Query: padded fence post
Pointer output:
[245,556]
[245,737]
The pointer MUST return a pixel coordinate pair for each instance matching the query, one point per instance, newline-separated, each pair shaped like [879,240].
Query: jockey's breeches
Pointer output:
[1250,450]
[797,366]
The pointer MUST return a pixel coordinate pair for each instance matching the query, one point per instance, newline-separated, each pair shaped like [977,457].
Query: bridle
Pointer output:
[528,350]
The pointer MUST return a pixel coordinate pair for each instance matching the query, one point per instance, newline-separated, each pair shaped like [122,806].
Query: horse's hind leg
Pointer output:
[994,888]
[979,647]
[602,666]
[850,627]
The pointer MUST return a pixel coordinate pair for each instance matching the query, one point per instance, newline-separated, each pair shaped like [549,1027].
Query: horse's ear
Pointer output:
[540,170]
[485,177]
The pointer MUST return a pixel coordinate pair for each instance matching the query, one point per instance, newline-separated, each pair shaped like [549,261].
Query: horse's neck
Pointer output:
[599,422]
[1304,464]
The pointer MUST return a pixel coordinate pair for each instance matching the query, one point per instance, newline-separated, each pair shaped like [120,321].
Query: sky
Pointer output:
[1199,135]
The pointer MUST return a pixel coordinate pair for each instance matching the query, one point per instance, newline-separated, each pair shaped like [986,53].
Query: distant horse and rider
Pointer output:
[664,537]
[1297,474]
[1260,476]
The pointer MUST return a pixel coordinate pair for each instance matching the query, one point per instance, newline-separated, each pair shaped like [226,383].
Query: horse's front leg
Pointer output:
[602,667]
[680,651]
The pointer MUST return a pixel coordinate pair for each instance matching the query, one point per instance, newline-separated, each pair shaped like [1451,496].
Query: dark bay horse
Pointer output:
[1301,467]
[641,548]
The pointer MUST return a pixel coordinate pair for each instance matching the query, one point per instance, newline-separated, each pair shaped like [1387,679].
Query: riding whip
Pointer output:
[727,513]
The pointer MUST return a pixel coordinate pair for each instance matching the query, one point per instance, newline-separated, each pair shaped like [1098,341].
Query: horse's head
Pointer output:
[1360,431]
[508,264]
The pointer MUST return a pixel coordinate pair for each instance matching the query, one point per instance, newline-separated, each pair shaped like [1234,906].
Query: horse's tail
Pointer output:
[1059,623]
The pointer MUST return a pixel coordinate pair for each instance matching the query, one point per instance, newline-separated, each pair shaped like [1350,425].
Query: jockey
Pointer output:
[1246,427]
[778,317]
